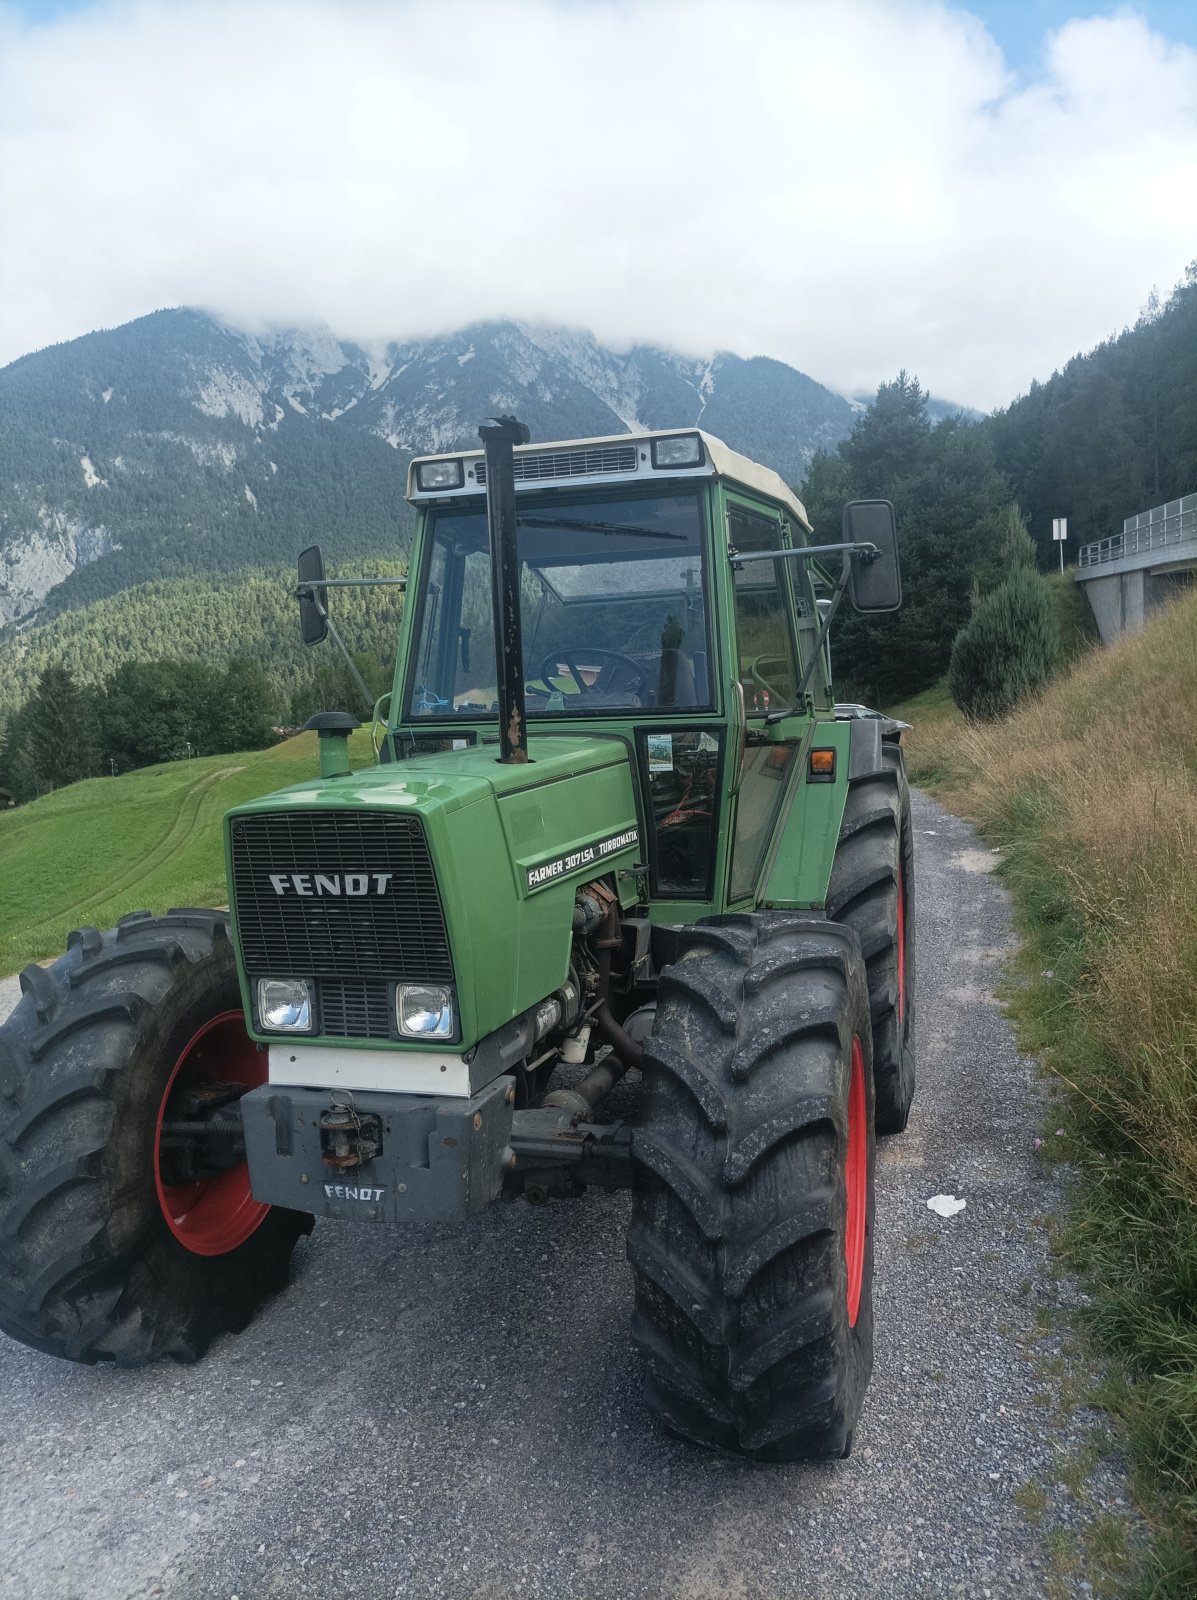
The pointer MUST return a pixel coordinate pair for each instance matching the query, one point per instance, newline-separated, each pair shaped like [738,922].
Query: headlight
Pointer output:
[284,1005]
[683,451]
[425,1011]
[439,475]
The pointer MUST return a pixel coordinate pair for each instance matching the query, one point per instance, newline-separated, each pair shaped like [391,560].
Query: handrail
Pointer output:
[1160,528]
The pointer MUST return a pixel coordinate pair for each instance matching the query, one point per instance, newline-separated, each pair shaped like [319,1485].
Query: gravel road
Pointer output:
[457,1413]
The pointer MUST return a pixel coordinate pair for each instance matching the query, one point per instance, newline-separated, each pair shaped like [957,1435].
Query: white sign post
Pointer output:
[1059,534]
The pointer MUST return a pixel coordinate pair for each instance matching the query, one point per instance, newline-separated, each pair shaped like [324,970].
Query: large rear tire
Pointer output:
[752,1205]
[107,1250]
[872,890]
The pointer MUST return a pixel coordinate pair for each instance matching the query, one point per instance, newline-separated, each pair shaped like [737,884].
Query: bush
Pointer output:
[1007,648]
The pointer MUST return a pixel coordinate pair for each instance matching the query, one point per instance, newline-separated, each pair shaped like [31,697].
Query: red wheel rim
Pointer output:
[214,1215]
[856,1183]
[901,948]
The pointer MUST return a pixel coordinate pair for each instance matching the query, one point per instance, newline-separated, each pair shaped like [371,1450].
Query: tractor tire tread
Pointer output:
[88,1269]
[874,855]
[740,1317]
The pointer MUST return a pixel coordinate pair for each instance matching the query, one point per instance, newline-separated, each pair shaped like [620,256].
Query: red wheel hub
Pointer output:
[901,948]
[213,1215]
[856,1183]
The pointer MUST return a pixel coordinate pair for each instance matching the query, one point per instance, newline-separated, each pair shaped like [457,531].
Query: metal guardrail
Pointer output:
[1157,529]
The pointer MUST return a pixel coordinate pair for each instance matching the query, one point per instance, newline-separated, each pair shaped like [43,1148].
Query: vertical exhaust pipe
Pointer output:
[499,440]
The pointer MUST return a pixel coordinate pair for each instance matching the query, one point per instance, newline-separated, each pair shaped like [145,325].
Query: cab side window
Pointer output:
[768,669]
[680,776]
[765,644]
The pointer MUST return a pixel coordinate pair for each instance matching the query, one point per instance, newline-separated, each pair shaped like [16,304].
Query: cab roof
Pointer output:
[618,458]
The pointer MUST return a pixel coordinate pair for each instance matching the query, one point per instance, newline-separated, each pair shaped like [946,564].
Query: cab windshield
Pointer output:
[613,605]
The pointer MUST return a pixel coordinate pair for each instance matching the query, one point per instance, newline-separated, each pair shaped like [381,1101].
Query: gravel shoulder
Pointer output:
[456,1412]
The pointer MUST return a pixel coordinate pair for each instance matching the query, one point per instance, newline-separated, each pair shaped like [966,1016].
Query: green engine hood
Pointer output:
[510,846]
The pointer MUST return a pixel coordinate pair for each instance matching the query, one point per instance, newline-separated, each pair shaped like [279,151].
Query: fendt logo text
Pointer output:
[325,883]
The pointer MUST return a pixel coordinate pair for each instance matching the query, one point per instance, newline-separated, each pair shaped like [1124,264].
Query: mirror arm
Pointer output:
[866,552]
[304,591]
[798,704]
[309,594]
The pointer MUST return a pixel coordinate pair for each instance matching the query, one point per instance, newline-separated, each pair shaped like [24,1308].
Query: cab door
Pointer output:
[767,654]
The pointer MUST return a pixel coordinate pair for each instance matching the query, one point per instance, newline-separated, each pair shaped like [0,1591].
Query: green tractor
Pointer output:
[616,821]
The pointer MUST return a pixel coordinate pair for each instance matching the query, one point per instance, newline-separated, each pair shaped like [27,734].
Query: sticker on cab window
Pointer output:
[660,752]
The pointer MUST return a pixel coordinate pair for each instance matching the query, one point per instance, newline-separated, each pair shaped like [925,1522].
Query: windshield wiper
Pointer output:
[581,525]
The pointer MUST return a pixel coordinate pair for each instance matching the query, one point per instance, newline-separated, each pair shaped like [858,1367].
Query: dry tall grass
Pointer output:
[1095,784]
[1092,791]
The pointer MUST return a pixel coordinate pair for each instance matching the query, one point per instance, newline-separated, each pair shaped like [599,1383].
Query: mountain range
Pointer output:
[177,445]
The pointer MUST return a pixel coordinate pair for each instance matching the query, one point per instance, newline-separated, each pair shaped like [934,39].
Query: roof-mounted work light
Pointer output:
[683,450]
[432,475]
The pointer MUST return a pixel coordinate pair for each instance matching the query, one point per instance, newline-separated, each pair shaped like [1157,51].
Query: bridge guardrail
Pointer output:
[1157,529]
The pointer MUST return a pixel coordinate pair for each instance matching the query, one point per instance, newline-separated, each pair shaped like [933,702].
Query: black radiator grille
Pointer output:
[350,1009]
[396,934]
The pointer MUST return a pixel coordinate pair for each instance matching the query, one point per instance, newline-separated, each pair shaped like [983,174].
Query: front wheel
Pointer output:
[752,1208]
[128,1229]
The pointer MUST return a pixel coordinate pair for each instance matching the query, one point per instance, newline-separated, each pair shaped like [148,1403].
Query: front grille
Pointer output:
[399,934]
[353,1009]
[582,463]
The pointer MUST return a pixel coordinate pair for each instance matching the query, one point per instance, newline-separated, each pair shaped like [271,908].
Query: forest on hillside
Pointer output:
[208,618]
[1113,433]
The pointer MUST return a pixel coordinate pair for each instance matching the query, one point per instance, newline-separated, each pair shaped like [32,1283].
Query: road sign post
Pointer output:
[1059,534]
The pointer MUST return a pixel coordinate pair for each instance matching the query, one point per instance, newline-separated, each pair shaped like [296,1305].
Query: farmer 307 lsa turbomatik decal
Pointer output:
[616,821]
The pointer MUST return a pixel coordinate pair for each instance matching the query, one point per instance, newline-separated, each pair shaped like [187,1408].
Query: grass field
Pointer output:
[1090,790]
[146,840]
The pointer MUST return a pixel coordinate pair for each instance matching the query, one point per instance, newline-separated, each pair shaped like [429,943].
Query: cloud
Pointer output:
[852,187]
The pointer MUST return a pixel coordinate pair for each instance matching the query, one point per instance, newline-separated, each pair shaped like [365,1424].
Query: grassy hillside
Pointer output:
[149,840]
[1091,792]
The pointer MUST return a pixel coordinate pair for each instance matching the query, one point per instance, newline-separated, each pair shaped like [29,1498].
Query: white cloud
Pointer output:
[852,186]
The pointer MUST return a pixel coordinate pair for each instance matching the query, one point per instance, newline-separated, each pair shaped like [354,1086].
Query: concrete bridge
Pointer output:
[1125,577]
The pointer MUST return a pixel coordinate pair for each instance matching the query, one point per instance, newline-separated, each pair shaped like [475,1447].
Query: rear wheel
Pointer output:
[752,1211]
[872,890]
[128,1229]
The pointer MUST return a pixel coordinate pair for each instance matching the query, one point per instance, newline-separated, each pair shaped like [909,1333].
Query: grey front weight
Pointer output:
[378,1157]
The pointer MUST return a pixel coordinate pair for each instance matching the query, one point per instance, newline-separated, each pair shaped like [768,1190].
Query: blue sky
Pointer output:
[1020,26]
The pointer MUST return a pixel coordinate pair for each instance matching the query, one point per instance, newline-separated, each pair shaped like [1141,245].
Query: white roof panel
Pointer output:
[721,461]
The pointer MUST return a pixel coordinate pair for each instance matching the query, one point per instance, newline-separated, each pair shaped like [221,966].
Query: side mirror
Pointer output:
[313,598]
[874,583]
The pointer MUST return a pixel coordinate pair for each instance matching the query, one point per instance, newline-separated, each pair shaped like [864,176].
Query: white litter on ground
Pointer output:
[945,1205]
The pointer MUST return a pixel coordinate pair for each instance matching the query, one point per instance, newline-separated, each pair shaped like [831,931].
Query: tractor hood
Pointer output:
[449,869]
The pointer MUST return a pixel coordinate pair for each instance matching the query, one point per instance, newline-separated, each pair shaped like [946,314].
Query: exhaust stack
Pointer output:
[499,439]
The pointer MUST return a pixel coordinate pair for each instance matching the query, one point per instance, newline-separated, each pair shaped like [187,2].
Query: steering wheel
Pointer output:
[753,672]
[552,661]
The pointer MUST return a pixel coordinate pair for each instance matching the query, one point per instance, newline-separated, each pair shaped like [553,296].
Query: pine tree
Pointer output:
[951,504]
[53,739]
[1007,648]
